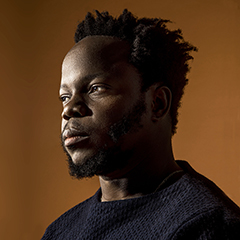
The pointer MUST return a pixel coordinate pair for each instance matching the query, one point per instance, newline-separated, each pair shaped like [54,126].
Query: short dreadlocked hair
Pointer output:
[159,54]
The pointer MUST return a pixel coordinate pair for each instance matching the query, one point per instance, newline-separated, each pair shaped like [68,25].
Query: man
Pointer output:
[121,88]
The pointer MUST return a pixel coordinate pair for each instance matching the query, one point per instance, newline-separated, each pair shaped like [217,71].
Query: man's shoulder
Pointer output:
[203,194]
[202,210]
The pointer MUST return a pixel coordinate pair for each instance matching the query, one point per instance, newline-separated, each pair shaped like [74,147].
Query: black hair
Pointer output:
[159,54]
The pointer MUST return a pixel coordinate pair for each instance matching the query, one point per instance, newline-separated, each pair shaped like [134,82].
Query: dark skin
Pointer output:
[98,88]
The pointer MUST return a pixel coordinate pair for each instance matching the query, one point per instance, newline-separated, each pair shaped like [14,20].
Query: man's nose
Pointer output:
[75,109]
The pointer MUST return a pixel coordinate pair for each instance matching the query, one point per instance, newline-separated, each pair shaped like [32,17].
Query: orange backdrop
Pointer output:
[34,37]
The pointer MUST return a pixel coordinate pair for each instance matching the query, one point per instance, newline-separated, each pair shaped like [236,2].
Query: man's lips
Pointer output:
[73,140]
[72,136]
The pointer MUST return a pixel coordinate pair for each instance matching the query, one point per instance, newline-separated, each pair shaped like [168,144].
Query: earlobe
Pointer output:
[161,103]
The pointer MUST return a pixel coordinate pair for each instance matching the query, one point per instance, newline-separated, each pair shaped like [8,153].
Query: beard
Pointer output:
[108,160]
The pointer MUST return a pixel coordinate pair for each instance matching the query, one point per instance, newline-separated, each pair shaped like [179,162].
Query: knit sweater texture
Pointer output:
[191,208]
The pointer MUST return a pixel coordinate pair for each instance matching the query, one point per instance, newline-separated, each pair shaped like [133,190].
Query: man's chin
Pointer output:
[104,162]
[84,168]
[79,159]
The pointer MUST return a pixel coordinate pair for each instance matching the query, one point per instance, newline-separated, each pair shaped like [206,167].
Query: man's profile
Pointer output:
[121,87]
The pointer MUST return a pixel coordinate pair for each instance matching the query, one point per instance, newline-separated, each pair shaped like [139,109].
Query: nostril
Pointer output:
[64,116]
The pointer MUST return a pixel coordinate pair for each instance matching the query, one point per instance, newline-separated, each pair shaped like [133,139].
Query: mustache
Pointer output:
[73,124]
[74,128]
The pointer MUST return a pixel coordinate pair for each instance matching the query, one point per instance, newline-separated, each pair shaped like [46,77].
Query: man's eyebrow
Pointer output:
[93,76]
[63,86]
[87,78]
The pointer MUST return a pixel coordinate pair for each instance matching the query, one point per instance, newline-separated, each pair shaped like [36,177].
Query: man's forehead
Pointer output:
[95,55]
[100,48]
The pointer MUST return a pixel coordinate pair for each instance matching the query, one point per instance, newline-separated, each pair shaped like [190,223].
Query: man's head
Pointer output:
[116,97]
[159,54]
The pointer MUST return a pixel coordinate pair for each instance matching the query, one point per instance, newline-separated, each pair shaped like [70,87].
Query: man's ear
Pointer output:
[162,98]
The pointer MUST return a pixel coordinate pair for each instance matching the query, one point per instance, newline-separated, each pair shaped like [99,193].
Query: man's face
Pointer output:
[103,107]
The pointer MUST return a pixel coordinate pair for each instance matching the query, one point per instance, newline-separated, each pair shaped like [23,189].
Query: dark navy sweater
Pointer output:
[191,208]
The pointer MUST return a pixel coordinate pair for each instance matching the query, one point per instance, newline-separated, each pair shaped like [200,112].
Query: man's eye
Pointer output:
[97,89]
[63,98]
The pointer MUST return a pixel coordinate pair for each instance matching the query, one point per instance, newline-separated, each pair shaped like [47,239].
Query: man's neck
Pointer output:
[141,180]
